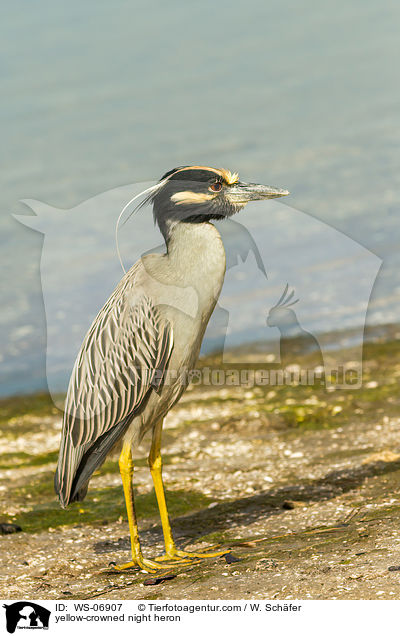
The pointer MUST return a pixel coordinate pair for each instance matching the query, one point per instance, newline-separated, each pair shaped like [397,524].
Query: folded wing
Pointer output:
[124,356]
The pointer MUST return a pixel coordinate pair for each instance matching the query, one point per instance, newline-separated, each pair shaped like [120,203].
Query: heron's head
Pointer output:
[199,194]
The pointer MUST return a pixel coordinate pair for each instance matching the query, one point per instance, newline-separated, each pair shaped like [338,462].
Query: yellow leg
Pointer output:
[126,469]
[155,464]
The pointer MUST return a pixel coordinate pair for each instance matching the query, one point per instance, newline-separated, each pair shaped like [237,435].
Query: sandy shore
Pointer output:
[302,483]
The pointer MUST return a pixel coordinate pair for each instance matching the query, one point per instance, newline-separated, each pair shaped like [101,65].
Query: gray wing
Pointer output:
[123,356]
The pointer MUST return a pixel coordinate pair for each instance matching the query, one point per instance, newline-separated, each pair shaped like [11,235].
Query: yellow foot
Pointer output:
[142,564]
[183,555]
[176,558]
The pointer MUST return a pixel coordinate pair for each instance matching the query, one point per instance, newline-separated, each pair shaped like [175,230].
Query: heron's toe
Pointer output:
[177,560]
[143,564]
[201,555]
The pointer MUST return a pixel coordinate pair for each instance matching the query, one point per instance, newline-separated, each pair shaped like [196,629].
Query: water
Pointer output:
[297,95]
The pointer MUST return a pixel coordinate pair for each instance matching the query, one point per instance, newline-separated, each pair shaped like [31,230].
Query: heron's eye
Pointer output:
[216,187]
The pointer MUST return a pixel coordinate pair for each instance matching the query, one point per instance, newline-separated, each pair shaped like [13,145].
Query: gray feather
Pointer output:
[125,351]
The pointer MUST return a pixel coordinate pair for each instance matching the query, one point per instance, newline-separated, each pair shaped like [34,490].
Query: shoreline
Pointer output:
[255,352]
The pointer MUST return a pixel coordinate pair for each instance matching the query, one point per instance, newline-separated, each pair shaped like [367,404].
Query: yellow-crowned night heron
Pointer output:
[134,361]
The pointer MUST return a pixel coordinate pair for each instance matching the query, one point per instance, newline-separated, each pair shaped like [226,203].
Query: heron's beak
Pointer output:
[241,193]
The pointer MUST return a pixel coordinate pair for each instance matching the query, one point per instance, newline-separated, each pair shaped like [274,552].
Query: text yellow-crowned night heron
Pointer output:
[133,363]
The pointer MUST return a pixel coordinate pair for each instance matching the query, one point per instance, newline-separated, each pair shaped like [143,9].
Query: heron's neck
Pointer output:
[195,252]
[195,264]
[183,237]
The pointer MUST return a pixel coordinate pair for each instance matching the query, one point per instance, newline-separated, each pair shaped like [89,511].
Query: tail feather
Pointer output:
[68,460]
[76,465]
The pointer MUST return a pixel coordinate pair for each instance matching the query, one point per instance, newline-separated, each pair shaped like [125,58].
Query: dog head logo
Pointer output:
[26,615]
